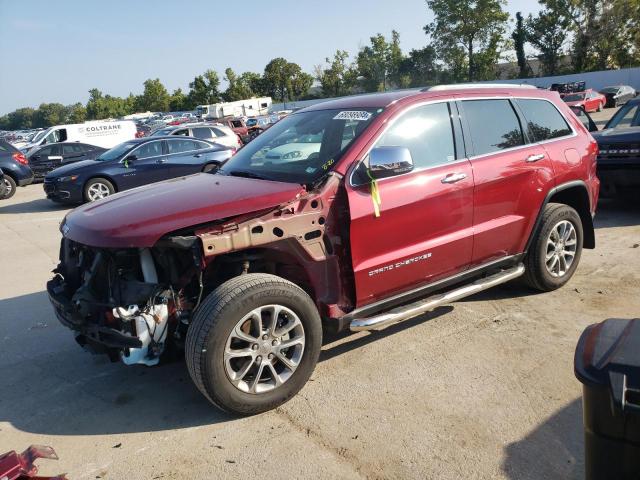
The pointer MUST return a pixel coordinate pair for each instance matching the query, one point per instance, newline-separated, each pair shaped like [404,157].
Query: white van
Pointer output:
[105,134]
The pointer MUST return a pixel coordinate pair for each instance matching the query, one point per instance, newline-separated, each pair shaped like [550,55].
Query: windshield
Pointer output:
[117,152]
[626,117]
[576,97]
[301,148]
[41,135]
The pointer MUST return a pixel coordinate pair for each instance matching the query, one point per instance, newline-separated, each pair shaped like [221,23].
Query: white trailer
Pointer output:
[252,107]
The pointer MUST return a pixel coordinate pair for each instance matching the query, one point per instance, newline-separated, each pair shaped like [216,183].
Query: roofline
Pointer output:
[471,86]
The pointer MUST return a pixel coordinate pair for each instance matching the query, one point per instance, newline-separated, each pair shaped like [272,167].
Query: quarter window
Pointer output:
[426,131]
[544,122]
[493,125]
[70,148]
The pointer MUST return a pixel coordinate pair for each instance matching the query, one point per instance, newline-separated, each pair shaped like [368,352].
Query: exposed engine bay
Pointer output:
[124,303]
[136,304]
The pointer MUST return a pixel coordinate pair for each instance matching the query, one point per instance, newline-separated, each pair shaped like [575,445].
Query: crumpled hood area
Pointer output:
[140,217]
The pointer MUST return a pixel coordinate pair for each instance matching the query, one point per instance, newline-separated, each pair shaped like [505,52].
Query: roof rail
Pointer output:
[465,86]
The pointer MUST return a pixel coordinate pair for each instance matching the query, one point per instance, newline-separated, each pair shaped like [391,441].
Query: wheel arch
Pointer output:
[104,177]
[576,195]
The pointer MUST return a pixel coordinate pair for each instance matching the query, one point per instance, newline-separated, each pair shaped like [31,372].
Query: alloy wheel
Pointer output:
[8,188]
[97,191]
[561,248]
[264,349]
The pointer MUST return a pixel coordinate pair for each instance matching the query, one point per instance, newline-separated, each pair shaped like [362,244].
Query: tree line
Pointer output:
[467,41]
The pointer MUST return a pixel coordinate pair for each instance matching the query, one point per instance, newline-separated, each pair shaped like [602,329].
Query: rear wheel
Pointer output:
[97,188]
[210,167]
[253,343]
[9,187]
[555,251]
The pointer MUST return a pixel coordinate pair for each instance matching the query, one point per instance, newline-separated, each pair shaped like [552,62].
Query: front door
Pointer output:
[424,231]
[146,164]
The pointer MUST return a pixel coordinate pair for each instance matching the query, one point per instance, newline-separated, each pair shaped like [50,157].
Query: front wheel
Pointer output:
[97,188]
[555,251]
[253,343]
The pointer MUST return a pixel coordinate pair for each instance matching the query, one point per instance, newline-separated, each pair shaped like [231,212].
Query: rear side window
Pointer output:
[426,131]
[544,122]
[151,149]
[202,133]
[71,148]
[219,132]
[493,125]
[180,146]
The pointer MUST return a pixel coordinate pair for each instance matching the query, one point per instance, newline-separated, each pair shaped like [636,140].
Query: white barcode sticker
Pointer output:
[356,115]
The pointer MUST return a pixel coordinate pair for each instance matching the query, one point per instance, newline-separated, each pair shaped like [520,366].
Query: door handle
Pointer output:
[454,177]
[534,158]
[161,160]
[198,155]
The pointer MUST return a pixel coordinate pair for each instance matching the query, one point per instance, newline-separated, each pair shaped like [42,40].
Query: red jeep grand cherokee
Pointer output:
[351,214]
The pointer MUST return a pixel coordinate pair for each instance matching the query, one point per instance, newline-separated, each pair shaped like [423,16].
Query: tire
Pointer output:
[600,106]
[209,167]
[10,187]
[538,273]
[213,331]
[97,184]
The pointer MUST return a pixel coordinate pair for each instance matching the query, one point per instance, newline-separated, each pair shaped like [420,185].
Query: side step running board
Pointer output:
[378,322]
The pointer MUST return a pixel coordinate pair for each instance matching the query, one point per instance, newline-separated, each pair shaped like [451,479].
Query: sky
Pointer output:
[55,51]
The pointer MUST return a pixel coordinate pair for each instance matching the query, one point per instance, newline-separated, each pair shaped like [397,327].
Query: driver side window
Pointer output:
[427,132]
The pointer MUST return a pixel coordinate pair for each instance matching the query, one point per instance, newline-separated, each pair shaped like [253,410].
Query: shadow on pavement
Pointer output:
[33,206]
[555,449]
[329,351]
[50,386]
[614,212]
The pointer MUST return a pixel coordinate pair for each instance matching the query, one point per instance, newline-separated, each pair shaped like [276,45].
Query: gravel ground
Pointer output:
[483,388]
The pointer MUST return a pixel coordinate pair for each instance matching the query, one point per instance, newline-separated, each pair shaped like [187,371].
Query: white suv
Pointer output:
[214,132]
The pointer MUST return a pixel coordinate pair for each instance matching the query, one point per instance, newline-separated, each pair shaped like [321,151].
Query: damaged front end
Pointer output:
[126,303]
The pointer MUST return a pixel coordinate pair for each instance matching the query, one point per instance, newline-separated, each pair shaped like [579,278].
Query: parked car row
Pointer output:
[132,164]
[591,100]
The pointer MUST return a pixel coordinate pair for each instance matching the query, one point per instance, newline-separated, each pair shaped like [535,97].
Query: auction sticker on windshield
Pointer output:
[357,115]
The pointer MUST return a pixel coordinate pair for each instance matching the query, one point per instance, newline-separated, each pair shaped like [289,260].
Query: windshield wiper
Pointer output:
[247,174]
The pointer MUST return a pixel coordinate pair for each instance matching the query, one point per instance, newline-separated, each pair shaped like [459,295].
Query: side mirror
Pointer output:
[389,161]
[130,158]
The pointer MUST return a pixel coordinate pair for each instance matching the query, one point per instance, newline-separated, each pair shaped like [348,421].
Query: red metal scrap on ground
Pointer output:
[15,466]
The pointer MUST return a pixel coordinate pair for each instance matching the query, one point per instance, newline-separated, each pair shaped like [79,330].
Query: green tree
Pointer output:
[154,98]
[178,101]
[519,37]
[421,67]
[548,33]
[374,64]
[204,89]
[18,119]
[338,78]
[49,114]
[468,32]
[299,83]
[76,113]
[255,82]
[238,89]
[276,78]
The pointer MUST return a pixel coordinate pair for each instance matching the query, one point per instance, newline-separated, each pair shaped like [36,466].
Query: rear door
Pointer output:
[72,152]
[149,165]
[185,156]
[45,159]
[424,231]
[512,176]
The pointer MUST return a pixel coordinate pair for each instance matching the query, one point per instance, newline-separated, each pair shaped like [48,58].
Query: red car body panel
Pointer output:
[427,230]
[141,216]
